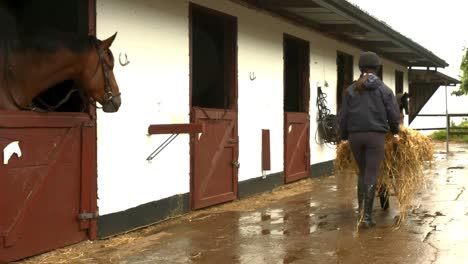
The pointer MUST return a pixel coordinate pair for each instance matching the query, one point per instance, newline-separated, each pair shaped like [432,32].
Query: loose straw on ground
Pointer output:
[406,165]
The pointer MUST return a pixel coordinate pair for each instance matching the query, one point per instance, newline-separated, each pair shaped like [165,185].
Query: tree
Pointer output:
[463,90]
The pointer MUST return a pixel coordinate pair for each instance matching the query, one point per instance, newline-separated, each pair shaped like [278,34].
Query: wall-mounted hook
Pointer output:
[252,76]
[126,62]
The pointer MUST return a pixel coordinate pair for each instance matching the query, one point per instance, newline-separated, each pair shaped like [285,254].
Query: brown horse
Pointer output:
[30,65]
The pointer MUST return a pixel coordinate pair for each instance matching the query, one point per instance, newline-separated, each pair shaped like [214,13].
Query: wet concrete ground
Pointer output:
[312,221]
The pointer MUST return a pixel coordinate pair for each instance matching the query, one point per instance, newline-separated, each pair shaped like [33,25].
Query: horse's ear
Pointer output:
[105,44]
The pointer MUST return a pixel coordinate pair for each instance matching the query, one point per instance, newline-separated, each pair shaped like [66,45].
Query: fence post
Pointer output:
[448,122]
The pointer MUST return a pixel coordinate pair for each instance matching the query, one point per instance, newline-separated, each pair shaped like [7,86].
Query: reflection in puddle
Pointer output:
[313,229]
[276,232]
[265,217]
[275,213]
[250,230]
[277,221]
[250,218]
[323,216]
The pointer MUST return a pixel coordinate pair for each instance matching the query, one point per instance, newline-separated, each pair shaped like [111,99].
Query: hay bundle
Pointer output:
[406,164]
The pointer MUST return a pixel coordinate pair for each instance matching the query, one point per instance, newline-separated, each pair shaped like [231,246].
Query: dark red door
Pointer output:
[297,153]
[41,190]
[214,157]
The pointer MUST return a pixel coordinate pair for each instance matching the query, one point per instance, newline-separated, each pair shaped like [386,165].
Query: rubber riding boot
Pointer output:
[367,221]
[360,194]
[384,197]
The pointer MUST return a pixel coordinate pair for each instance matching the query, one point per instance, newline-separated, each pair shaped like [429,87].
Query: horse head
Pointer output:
[97,79]
[402,100]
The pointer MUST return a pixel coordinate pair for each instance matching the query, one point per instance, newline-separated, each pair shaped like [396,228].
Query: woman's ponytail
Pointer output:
[360,82]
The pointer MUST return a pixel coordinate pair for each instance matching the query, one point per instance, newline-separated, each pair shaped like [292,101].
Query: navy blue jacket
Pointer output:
[374,109]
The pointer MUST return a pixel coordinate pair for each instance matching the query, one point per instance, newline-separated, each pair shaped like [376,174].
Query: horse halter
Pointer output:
[108,93]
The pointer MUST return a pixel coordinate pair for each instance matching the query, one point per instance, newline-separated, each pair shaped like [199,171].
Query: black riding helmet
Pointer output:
[369,59]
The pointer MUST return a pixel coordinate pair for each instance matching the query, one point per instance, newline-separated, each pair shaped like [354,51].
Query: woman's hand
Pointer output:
[396,139]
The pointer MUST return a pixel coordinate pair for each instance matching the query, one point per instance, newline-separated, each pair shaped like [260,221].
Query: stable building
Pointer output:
[219,102]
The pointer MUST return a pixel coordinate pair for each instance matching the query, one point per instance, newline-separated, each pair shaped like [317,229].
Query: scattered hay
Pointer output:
[344,161]
[406,165]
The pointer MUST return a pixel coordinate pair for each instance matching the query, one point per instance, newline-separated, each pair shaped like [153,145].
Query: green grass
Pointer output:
[442,135]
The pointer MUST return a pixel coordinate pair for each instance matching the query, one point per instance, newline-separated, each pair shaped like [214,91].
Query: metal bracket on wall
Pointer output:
[174,130]
[161,147]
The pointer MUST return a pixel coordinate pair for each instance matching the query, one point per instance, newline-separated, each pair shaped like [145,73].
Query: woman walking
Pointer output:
[368,112]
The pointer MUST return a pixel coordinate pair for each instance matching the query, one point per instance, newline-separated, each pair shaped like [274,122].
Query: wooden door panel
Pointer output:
[214,177]
[223,183]
[297,152]
[35,153]
[40,191]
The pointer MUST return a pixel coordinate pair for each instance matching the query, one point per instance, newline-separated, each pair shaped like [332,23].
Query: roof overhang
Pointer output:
[342,20]
[432,77]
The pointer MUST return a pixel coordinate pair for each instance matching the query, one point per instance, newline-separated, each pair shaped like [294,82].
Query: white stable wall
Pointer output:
[154,86]
[155,90]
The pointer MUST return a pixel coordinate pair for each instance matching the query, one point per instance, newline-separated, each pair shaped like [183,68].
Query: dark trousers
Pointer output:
[368,151]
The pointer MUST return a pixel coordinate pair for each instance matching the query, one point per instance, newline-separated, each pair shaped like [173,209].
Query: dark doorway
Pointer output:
[52,17]
[344,63]
[213,58]
[296,74]
[398,82]
[58,15]
[62,92]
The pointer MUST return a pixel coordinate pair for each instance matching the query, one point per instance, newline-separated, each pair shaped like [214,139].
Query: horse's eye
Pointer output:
[111,57]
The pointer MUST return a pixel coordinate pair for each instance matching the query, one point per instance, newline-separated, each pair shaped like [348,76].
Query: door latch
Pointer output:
[235,163]
[87,216]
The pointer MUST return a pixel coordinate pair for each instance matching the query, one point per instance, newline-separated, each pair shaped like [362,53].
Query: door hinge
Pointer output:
[235,163]
[88,216]
[86,125]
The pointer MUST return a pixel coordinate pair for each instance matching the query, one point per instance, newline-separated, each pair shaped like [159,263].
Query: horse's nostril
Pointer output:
[117,101]
[112,106]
